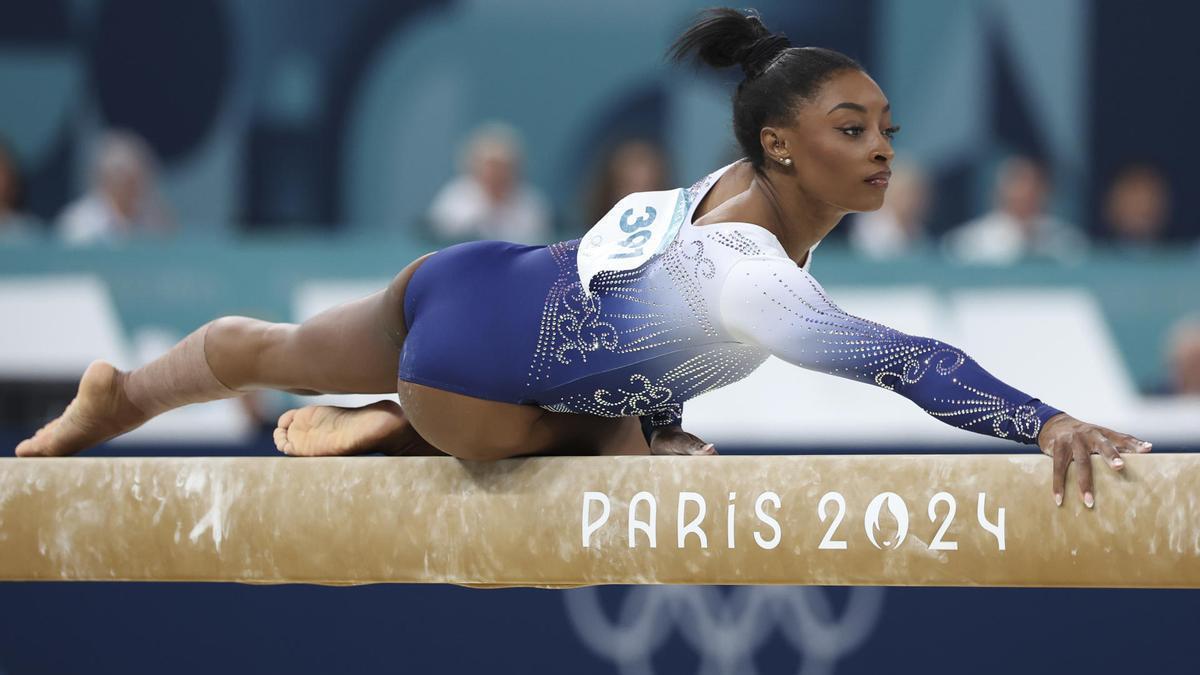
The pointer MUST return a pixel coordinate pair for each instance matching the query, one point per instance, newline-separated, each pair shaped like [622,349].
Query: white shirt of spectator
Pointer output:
[879,236]
[997,238]
[462,210]
[92,220]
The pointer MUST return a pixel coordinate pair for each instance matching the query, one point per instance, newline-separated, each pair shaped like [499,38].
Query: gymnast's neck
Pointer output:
[773,201]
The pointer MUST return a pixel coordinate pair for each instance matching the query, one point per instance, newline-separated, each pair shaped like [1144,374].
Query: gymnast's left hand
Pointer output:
[1067,440]
[676,441]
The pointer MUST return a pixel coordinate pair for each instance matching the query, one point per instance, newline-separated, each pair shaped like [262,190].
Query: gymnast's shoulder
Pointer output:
[743,240]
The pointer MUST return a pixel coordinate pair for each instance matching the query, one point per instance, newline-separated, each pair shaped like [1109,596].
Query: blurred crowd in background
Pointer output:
[106,187]
[490,198]
[121,201]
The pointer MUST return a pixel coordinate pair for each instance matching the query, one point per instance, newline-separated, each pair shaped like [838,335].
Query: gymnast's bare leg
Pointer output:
[352,348]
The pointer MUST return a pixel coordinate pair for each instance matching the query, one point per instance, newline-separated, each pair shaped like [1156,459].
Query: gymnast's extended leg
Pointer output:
[351,348]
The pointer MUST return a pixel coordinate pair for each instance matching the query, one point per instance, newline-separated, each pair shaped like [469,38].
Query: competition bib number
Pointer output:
[640,232]
[634,231]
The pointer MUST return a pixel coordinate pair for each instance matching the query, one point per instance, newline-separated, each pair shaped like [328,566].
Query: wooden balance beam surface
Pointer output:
[903,520]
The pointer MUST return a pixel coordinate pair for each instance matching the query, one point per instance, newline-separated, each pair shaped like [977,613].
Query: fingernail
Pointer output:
[1058,499]
[1089,500]
[1118,462]
[1147,445]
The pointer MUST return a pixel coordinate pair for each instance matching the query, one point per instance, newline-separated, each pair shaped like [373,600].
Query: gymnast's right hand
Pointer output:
[676,441]
[1067,439]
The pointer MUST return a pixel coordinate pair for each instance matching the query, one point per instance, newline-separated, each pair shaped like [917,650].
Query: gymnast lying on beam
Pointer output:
[505,350]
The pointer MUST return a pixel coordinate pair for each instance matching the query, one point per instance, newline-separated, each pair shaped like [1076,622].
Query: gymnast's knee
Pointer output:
[238,347]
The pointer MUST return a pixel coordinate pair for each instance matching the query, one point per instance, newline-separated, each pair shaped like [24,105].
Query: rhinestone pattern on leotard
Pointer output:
[738,242]
[575,324]
[832,341]
[661,338]
[675,349]
[676,345]
[662,398]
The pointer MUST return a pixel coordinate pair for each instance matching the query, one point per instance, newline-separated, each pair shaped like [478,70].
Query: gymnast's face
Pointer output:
[840,143]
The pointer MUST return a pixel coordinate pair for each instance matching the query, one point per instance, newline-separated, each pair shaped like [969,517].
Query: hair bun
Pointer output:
[761,52]
[725,37]
[777,78]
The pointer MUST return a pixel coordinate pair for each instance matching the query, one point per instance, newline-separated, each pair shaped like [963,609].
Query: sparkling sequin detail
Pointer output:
[663,396]
[642,396]
[823,337]
[647,336]
[657,316]
[575,324]
[738,242]
[984,407]
[654,337]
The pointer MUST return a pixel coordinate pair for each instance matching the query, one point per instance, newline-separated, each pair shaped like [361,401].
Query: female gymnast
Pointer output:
[504,350]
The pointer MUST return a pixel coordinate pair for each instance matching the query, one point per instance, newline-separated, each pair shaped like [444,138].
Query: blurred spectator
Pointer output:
[489,200]
[1183,357]
[634,165]
[122,201]
[16,227]
[1018,225]
[1137,207]
[898,228]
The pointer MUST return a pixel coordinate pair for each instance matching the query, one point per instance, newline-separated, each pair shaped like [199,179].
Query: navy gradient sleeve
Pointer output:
[772,303]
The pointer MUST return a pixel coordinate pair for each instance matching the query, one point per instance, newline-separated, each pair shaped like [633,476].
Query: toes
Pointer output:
[285,444]
[34,446]
[286,429]
[285,420]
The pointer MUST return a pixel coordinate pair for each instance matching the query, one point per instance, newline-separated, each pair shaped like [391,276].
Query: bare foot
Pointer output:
[99,411]
[317,430]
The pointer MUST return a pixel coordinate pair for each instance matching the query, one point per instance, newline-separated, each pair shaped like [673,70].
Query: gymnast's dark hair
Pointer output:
[778,76]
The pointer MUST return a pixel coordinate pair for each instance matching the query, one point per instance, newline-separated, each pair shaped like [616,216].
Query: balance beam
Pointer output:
[897,520]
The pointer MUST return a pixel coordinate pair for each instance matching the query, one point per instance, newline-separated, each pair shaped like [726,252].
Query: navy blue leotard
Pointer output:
[648,325]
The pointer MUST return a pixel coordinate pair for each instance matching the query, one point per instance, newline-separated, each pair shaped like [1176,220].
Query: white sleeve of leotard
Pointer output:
[770,302]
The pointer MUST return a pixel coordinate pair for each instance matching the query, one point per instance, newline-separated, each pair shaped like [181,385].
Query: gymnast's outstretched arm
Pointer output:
[770,302]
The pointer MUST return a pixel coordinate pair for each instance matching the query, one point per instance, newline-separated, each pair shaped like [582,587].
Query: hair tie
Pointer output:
[763,53]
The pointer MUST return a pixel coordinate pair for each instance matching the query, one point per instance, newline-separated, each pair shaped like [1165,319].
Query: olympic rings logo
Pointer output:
[725,630]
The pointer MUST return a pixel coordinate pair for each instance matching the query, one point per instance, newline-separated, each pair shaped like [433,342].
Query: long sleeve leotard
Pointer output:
[649,310]
[770,302]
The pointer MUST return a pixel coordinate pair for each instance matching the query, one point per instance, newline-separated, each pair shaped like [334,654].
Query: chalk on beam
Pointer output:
[927,520]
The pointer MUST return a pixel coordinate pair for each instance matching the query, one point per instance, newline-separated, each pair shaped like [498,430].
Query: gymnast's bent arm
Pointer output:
[667,437]
[771,302]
